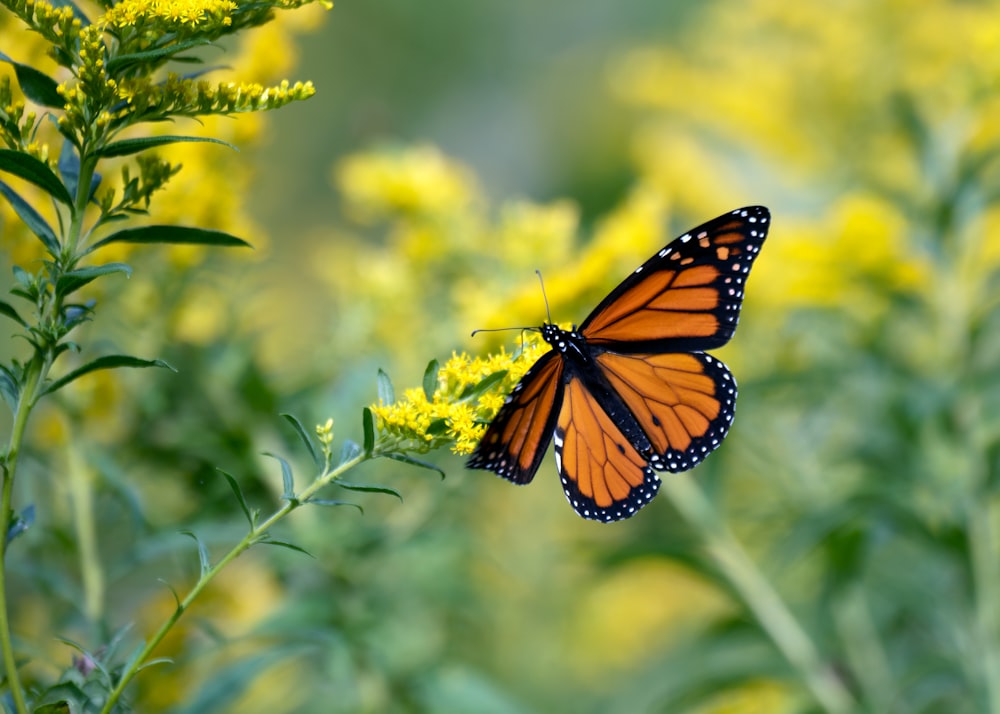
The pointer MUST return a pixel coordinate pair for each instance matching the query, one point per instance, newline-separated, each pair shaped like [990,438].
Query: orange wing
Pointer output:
[683,402]
[688,296]
[604,477]
[518,436]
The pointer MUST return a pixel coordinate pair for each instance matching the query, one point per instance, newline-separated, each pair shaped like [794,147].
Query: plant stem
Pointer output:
[983,539]
[254,536]
[34,374]
[759,596]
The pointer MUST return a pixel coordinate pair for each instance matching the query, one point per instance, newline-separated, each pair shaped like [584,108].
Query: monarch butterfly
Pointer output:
[631,391]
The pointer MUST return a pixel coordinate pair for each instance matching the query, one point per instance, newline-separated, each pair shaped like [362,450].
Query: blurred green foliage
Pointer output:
[861,474]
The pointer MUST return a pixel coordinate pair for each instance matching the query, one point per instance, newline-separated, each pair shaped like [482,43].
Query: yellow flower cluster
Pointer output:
[456,414]
[169,14]
[57,25]
[418,180]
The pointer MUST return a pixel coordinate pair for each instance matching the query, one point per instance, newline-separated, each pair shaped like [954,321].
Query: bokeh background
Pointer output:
[451,150]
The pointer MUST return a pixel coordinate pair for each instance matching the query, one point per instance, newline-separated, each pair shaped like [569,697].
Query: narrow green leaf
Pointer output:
[368,426]
[484,385]
[7,310]
[431,379]
[127,147]
[288,481]
[386,393]
[69,166]
[202,553]
[35,171]
[407,459]
[437,427]
[332,503]
[153,663]
[350,450]
[22,276]
[365,488]
[60,707]
[106,362]
[10,388]
[32,219]
[290,546]
[21,523]
[175,235]
[177,598]
[151,56]
[134,655]
[37,86]
[73,280]
[304,435]
[235,486]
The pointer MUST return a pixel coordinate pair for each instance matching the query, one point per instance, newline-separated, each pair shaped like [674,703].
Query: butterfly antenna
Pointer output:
[545,298]
[498,329]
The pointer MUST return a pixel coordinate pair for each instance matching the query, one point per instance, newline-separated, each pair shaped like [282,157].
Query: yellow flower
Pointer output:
[418,180]
[456,415]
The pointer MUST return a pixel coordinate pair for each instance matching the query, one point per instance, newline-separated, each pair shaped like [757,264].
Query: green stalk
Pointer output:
[983,541]
[254,536]
[33,378]
[759,596]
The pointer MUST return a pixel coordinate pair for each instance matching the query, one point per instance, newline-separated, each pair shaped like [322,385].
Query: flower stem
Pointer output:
[255,535]
[759,596]
[33,377]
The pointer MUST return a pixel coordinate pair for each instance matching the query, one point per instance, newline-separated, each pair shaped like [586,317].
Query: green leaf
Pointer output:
[203,561]
[37,86]
[7,310]
[407,459]
[431,379]
[69,166]
[290,546]
[22,276]
[288,481]
[438,427]
[37,172]
[386,394]
[126,147]
[21,523]
[32,219]
[10,388]
[368,426]
[73,280]
[350,450]
[484,385]
[365,488]
[234,484]
[106,362]
[304,435]
[115,64]
[332,503]
[153,663]
[175,235]
[61,707]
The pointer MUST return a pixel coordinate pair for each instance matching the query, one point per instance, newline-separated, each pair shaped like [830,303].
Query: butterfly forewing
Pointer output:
[683,402]
[603,475]
[518,436]
[688,296]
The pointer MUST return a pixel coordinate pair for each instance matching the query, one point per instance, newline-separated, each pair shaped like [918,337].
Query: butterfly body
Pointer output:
[631,391]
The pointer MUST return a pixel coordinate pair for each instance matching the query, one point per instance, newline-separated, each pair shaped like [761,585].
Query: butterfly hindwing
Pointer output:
[605,478]
[683,402]
[688,296]
[516,440]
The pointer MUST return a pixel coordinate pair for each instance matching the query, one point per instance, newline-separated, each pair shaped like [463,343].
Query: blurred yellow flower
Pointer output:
[418,180]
